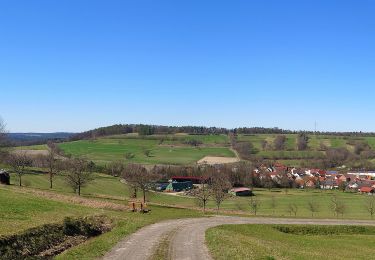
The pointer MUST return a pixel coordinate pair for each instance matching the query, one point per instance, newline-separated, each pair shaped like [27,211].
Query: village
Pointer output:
[281,176]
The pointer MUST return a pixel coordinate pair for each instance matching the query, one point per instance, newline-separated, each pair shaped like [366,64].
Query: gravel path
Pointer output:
[188,241]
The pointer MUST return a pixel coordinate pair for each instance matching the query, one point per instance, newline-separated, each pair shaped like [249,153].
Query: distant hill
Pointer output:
[197,130]
[37,138]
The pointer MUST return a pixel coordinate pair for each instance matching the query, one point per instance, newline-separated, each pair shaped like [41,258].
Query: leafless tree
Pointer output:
[77,174]
[138,177]
[292,209]
[255,204]
[52,162]
[18,161]
[370,205]
[313,206]
[204,193]
[273,204]
[264,145]
[279,142]
[219,188]
[115,168]
[338,207]
[2,132]
[244,149]
[302,141]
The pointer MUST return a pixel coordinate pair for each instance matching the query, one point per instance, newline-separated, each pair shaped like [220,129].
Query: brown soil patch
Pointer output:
[217,160]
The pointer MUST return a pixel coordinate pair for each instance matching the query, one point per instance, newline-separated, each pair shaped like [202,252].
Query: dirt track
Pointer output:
[188,236]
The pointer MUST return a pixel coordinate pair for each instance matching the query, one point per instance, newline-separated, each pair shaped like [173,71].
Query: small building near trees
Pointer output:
[369,190]
[4,177]
[241,192]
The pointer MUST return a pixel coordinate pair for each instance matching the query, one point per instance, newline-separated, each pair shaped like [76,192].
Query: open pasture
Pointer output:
[272,242]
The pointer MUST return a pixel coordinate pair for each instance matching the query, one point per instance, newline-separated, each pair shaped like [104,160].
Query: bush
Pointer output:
[36,240]
[325,230]
[87,226]
[31,242]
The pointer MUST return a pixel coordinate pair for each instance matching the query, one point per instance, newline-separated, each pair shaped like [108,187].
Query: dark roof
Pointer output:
[187,178]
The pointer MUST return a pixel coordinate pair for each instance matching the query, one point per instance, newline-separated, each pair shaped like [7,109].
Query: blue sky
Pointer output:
[76,65]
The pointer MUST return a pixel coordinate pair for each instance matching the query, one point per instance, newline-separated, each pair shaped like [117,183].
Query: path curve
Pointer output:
[188,241]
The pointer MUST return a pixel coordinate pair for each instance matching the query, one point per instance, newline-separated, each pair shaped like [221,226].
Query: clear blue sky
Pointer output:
[76,65]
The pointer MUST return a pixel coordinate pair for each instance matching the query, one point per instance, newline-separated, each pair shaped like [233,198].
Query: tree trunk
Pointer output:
[144,196]
[79,190]
[20,178]
[50,180]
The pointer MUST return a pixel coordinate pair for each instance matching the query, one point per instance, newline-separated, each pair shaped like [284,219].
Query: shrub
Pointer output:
[87,226]
[36,240]
[325,230]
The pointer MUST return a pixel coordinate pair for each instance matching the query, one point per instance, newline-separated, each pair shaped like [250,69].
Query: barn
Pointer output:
[4,177]
[241,192]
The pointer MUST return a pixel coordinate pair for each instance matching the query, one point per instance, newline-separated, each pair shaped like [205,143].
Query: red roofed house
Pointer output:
[367,190]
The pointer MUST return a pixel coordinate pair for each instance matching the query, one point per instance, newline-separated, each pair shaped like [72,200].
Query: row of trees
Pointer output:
[158,129]
[77,172]
[337,206]
[276,130]
[148,130]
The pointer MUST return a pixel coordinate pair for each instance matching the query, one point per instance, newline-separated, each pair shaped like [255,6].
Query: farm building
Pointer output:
[4,177]
[179,186]
[241,192]
[369,190]
[194,180]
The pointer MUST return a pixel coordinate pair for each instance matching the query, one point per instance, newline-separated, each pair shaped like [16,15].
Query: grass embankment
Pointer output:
[111,189]
[313,242]
[21,210]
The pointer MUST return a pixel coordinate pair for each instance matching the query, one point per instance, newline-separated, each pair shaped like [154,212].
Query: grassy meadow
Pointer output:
[110,188]
[104,151]
[267,242]
[173,148]
[20,210]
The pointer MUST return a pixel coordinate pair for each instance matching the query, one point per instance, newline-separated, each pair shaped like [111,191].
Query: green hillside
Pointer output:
[184,149]
[171,149]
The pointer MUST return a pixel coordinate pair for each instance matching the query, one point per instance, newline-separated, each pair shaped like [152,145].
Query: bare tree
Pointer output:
[115,168]
[138,176]
[279,142]
[2,132]
[78,175]
[204,193]
[302,141]
[370,205]
[337,206]
[264,145]
[219,186]
[313,206]
[18,161]
[52,162]
[273,204]
[255,204]
[292,209]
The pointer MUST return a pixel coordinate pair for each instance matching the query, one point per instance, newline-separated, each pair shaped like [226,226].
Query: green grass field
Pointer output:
[103,151]
[267,242]
[108,187]
[20,210]
[172,149]
[291,156]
